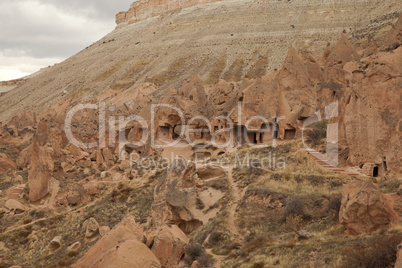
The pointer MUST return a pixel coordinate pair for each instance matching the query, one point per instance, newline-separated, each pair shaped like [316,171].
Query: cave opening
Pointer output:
[375,172]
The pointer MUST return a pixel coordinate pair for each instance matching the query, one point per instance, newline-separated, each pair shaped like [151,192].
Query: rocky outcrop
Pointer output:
[169,245]
[55,244]
[91,227]
[41,166]
[122,247]
[6,164]
[23,121]
[369,114]
[24,158]
[6,86]
[342,53]
[364,209]
[177,195]
[14,206]
[144,9]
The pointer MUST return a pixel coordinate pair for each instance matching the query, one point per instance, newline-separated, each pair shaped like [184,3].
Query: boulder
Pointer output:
[364,209]
[73,197]
[169,245]
[91,227]
[93,191]
[39,171]
[6,164]
[303,235]
[67,167]
[75,194]
[24,158]
[104,230]
[55,244]
[122,247]
[14,205]
[25,120]
[129,254]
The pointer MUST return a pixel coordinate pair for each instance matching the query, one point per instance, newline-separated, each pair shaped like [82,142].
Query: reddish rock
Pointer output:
[25,120]
[24,158]
[15,206]
[372,47]
[6,164]
[74,196]
[91,227]
[194,90]
[364,209]
[93,191]
[295,85]
[122,247]
[169,245]
[42,165]
[395,200]
[77,153]
[326,54]
[343,52]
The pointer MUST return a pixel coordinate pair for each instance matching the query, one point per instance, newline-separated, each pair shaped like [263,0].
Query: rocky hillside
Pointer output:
[294,167]
[228,40]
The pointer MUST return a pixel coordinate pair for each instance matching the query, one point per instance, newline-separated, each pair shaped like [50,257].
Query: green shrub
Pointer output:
[317,133]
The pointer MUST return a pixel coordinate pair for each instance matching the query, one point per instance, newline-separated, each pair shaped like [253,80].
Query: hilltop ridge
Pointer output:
[144,9]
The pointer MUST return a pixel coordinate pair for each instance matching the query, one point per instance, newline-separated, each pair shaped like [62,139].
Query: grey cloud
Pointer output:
[53,28]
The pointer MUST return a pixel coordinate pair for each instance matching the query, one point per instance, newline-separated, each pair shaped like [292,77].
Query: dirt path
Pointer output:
[218,258]
[236,197]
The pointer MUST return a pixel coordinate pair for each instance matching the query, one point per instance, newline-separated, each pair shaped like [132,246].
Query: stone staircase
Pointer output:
[325,165]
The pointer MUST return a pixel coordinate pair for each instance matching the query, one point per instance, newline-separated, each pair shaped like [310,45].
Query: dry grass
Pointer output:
[301,185]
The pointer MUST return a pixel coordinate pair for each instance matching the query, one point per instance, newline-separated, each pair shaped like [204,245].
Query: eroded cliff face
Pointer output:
[144,9]
[228,40]
[365,85]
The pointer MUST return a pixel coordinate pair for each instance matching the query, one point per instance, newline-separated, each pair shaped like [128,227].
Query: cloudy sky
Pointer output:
[38,33]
